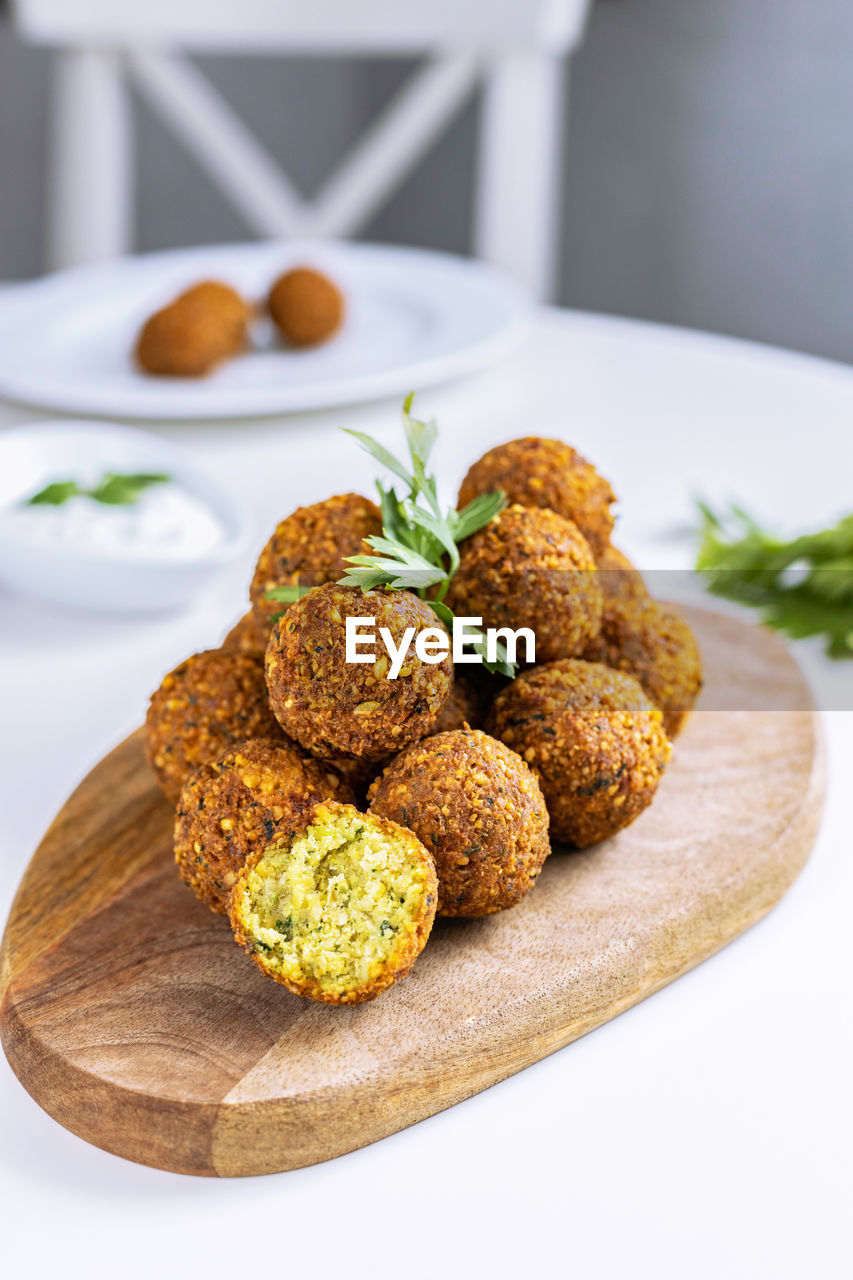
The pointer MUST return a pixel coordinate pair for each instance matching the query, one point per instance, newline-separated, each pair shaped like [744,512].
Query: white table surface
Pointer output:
[705,1133]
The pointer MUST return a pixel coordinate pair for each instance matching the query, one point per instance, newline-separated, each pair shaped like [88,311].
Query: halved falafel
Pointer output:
[338,910]
[479,810]
[531,568]
[537,472]
[306,306]
[656,646]
[249,796]
[309,548]
[334,708]
[207,704]
[594,740]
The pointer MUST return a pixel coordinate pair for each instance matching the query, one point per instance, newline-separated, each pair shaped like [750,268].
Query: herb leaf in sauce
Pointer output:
[115,489]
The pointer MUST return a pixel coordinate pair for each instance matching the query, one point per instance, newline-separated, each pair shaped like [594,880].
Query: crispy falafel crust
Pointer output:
[594,740]
[531,568]
[656,646]
[404,945]
[309,548]
[463,707]
[537,472]
[248,635]
[306,307]
[336,709]
[619,578]
[210,701]
[476,806]
[246,798]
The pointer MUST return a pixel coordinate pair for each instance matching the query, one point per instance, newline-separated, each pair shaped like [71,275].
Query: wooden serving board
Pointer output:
[130,1015]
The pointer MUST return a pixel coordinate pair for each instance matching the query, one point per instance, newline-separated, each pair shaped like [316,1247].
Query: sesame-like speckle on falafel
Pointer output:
[208,703]
[192,335]
[248,635]
[618,577]
[310,546]
[656,646]
[536,472]
[338,910]
[335,708]
[246,798]
[479,810]
[594,740]
[531,568]
[306,307]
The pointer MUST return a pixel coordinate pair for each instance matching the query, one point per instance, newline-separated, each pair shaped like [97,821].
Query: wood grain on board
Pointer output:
[131,1016]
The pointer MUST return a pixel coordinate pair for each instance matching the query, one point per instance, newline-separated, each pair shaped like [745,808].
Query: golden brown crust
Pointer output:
[412,942]
[248,635]
[536,472]
[310,547]
[657,647]
[192,335]
[336,709]
[594,741]
[618,577]
[306,307]
[248,797]
[479,810]
[461,708]
[207,704]
[531,568]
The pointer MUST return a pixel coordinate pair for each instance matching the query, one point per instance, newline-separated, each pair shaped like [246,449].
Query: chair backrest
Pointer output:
[374,26]
[513,48]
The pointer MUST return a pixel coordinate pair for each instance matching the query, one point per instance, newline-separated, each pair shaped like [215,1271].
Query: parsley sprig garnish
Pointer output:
[418,549]
[803,586]
[114,489]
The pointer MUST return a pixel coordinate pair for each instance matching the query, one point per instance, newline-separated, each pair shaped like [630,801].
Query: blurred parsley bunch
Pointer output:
[802,586]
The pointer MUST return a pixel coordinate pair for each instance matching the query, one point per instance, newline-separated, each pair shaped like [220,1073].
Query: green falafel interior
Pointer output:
[340,909]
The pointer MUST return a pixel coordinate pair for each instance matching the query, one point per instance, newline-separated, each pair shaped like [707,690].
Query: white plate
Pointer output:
[415,317]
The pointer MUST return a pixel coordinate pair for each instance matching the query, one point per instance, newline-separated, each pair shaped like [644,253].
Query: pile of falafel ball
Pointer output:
[332,812]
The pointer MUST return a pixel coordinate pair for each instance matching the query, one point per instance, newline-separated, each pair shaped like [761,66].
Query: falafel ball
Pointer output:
[192,335]
[252,795]
[531,568]
[656,646]
[248,635]
[479,810]
[207,704]
[306,307]
[334,708]
[340,908]
[593,739]
[618,577]
[536,472]
[310,546]
[461,708]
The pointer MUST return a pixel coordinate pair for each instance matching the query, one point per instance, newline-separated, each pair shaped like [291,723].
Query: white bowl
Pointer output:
[33,454]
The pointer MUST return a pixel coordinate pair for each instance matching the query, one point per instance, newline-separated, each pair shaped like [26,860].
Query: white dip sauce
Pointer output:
[166,522]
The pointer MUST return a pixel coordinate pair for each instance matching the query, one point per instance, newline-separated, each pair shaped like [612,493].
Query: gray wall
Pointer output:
[708,177]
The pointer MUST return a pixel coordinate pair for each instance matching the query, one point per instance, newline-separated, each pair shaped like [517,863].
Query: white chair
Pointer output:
[516,49]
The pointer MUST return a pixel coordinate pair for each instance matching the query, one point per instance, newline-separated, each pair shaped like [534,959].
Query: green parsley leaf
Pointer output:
[53,495]
[801,586]
[287,594]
